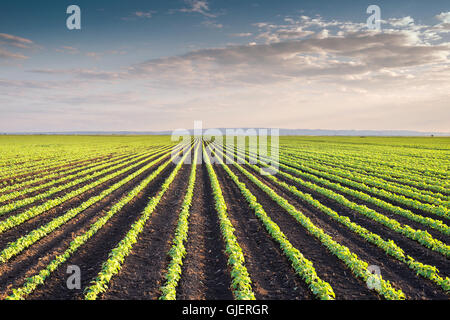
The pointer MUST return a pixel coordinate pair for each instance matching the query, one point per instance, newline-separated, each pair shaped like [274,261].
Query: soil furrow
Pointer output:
[205,274]
[270,270]
[11,180]
[328,267]
[47,180]
[95,251]
[411,247]
[142,273]
[73,188]
[41,253]
[391,269]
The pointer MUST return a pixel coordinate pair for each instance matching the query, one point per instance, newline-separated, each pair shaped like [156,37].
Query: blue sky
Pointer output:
[160,65]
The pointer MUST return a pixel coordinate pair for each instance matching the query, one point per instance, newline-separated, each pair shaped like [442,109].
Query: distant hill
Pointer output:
[283,132]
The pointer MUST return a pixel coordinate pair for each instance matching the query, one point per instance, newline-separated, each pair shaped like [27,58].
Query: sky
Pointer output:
[161,65]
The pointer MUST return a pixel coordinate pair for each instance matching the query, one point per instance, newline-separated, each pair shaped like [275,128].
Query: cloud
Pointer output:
[67,49]
[212,24]
[303,68]
[81,73]
[444,17]
[142,14]
[197,6]
[242,34]
[401,22]
[315,57]
[5,54]
[9,40]
[284,34]
[39,84]
[301,49]
[139,14]
[444,26]
[15,41]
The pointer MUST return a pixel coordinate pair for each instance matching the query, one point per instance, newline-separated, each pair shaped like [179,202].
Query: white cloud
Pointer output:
[142,14]
[197,6]
[139,14]
[212,24]
[242,34]
[401,22]
[444,17]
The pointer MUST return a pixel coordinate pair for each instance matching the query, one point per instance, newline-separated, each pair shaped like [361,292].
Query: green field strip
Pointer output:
[357,266]
[37,280]
[421,236]
[388,246]
[14,174]
[430,187]
[67,176]
[303,267]
[14,248]
[18,219]
[117,255]
[409,192]
[178,249]
[14,205]
[240,279]
[422,170]
[441,210]
[409,179]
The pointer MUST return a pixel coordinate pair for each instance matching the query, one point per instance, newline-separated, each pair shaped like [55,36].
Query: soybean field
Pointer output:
[115,217]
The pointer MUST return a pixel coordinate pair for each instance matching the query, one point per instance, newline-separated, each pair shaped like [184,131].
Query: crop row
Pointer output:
[14,205]
[302,266]
[389,247]
[79,172]
[386,173]
[373,161]
[350,259]
[47,166]
[19,218]
[430,222]
[25,241]
[375,182]
[117,255]
[33,282]
[241,282]
[440,210]
[178,250]
[364,172]
[421,236]
[288,165]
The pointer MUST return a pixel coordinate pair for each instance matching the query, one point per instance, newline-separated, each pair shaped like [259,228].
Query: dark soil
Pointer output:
[205,273]
[142,274]
[270,270]
[328,267]
[42,252]
[61,175]
[11,180]
[95,251]
[391,269]
[411,247]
